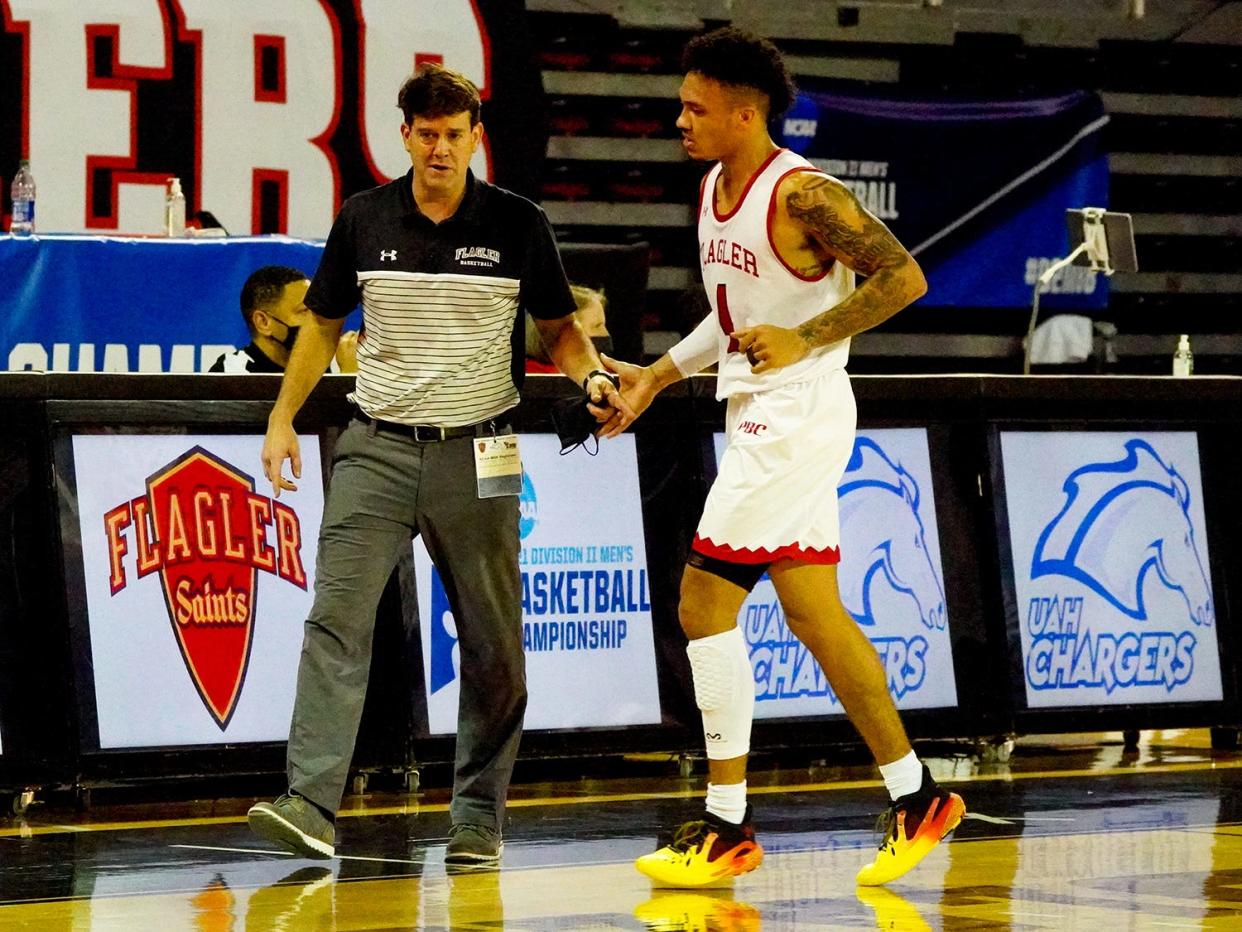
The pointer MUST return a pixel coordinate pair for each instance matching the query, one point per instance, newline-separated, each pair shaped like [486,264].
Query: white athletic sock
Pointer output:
[724,687]
[727,800]
[903,776]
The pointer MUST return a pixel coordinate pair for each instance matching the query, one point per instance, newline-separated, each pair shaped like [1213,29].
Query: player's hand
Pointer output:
[609,406]
[768,347]
[280,444]
[638,387]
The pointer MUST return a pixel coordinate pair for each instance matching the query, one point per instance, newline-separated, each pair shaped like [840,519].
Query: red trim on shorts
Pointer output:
[772,216]
[708,548]
[746,190]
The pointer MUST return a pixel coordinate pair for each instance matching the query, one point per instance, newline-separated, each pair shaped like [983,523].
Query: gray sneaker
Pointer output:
[472,844]
[294,823]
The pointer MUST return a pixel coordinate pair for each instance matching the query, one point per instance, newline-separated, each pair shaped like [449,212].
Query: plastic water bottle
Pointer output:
[174,209]
[1183,358]
[23,192]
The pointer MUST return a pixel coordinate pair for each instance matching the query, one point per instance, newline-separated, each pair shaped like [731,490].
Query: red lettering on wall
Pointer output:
[278,220]
[269,69]
[123,78]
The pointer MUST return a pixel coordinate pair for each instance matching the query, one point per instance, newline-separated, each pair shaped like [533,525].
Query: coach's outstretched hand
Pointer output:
[639,384]
[280,444]
[609,406]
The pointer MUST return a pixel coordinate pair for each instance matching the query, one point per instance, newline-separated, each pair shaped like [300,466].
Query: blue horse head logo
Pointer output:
[887,540]
[1120,522]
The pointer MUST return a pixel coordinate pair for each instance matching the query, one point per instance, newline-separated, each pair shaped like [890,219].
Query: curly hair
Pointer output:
[733,56]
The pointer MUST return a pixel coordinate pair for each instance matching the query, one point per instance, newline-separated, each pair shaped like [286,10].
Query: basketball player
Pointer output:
[780,244]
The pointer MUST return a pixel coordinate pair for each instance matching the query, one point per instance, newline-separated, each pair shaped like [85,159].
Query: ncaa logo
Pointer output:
[800,125]
[445,654]
[888,544]
[1121,522]
[528,506]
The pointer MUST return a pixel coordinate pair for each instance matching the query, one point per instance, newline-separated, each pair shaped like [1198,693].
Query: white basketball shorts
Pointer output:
[775,495]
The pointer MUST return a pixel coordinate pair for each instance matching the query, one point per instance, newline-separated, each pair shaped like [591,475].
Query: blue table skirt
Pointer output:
[76,303]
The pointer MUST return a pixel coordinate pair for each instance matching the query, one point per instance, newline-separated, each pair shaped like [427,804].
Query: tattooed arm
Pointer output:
[819,221]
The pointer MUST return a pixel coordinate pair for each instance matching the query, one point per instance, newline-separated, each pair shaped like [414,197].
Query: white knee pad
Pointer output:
[724,688]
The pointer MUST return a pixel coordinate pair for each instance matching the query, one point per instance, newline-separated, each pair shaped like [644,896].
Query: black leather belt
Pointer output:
[430,433]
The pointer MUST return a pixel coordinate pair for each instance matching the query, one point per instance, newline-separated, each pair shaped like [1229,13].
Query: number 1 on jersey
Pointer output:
[722,312]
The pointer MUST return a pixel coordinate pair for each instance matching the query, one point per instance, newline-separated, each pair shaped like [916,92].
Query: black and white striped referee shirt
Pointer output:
[443,338]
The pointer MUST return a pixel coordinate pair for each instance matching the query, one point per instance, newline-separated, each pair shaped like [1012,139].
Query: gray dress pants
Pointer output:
[386,488]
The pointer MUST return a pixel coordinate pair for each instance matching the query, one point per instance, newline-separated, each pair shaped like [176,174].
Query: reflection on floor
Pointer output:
[1068,835]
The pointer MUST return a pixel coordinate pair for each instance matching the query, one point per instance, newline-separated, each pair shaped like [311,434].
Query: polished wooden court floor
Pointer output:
[1070,834]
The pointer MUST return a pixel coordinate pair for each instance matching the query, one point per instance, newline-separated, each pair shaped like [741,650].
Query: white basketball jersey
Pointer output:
[748,284]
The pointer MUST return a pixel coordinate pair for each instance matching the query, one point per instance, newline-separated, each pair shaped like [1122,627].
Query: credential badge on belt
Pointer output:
[497,465]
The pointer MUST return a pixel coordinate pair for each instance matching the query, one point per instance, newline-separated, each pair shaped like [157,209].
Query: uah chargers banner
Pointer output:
[891,581]
[1111,568]
[112,304]
[586,600]
[197,586]
[977,191]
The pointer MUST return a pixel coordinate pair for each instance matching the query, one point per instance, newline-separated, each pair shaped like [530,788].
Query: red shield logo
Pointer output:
[200,516]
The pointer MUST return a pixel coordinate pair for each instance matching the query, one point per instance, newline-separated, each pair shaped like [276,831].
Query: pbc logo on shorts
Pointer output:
[203,529]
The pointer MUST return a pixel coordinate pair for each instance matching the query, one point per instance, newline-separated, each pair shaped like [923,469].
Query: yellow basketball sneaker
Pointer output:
[704,853]
[891,911]
[912,826]
[697,912]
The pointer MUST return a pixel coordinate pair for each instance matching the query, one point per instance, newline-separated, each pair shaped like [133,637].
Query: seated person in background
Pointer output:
[271,305]
[591,305]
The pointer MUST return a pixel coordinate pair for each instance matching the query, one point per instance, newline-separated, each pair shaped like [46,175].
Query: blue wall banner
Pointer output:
[976,190]
[113,304]
[586,619]
[891,581]
[1110,568]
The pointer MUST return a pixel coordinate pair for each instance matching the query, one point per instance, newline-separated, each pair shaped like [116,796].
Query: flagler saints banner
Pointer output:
[197,586]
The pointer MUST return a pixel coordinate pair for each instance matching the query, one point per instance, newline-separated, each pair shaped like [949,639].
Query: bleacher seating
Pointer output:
[616,173]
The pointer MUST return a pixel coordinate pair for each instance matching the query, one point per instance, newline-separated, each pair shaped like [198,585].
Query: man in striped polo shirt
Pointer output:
[445,266]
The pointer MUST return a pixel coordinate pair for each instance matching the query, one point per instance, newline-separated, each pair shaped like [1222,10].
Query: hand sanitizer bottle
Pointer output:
[174,209]
[1183,358]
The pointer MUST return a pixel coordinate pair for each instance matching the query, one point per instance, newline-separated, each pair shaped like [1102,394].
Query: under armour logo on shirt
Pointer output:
[388,254]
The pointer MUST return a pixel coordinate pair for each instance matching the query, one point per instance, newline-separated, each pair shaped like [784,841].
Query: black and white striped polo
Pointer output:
[443,332]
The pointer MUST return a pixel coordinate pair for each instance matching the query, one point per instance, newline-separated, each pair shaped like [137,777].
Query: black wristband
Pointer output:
[610,376]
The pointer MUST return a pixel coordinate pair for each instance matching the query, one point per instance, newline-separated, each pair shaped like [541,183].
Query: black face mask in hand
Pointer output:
[575,424]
